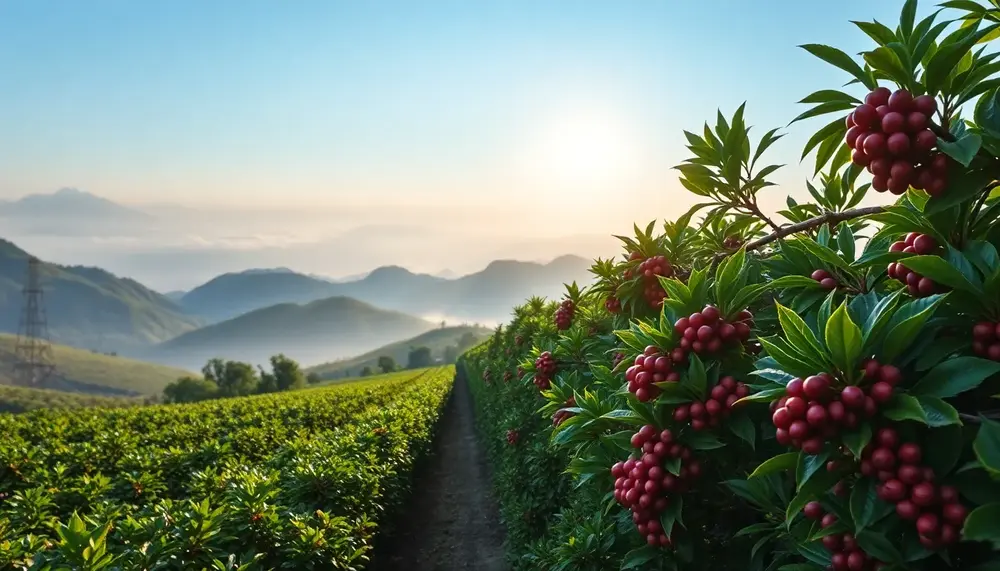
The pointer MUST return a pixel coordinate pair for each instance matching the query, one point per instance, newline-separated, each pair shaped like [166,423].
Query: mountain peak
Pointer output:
[388,272]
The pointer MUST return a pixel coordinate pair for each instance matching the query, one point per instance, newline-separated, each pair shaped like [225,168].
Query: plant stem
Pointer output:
[756,211]
[814,222]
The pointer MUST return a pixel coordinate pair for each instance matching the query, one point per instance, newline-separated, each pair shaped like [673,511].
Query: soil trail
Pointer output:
[452,522]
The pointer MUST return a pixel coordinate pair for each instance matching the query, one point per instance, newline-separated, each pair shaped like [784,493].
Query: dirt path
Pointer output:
[452,522]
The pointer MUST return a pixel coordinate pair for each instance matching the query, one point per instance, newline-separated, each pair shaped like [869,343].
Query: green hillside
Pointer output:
[84,371]
[436,340]
[309,333]
[23,399]
[89,307]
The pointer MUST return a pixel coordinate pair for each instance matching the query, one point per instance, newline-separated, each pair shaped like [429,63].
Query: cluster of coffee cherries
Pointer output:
[513,436]
[812,411]
[916,284]
[545,369]
[845,554]
[564,315]
[936,510]
[488,376]
[651,367]
[890,134]
[613,304]
[507,376]
[644,484]
[986,340]
[518,340]
[708,414]
[649,270]
[561,415]
[825,279]
[707,333]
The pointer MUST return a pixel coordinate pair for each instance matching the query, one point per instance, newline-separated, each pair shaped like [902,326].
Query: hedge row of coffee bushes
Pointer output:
[294,480]
[813,389]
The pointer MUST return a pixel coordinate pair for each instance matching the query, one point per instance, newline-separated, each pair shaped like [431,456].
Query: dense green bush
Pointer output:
[294,480]
[810,392]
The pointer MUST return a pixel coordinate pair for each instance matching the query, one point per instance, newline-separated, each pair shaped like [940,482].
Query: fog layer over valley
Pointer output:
[179,286]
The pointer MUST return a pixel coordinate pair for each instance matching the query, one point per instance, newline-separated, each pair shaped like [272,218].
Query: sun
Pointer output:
[584,151]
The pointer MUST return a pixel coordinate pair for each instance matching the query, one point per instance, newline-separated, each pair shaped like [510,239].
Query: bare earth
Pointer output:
[452,521]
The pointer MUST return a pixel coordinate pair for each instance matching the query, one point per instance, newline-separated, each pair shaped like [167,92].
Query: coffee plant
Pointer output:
[815,389]
[295,480]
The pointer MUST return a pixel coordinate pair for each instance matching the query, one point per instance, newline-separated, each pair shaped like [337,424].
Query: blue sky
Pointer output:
[318,102]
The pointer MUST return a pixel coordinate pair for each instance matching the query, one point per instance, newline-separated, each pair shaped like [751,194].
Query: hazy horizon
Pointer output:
[264,135]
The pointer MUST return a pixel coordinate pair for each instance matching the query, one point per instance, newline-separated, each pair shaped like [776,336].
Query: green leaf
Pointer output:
[779,463]
[839,59]
[904,407]
[807,466]
[798,334]
[964,149]
[863,498]
[696,380]
[946,59]
[939,270]
[816,486]
[940,452]
[906,18]
[987,112]
[846,240]
[901,334]
[743,427]
[702,441]
[987,446]
[843,338]
[858,439]
[955,376]
[878,32]
[636,558]
[876,545]
[983,524]
[886,60]
[672,515]
[938,412]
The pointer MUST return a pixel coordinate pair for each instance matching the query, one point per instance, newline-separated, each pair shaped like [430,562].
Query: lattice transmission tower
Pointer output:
[34,362]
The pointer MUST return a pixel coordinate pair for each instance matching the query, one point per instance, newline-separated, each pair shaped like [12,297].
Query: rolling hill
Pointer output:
[484,296]
[93,373]
[436,340]
[309,333]
[89,307]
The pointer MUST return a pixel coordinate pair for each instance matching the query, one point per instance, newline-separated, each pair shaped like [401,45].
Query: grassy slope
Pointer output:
[23,399]
[308,333]
[80,366]
[436,340]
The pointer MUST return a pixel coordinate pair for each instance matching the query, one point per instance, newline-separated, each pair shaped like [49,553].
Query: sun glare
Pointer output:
[583,151]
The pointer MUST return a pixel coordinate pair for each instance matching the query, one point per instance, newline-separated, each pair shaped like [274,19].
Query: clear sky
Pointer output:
[472,103]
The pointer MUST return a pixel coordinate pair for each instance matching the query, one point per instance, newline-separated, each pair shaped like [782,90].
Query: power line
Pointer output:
[34,363]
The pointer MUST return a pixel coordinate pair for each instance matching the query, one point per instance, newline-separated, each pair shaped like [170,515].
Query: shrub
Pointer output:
[746,392]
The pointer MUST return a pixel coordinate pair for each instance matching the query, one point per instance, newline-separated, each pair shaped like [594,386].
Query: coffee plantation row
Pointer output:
[297,480]
[815,391]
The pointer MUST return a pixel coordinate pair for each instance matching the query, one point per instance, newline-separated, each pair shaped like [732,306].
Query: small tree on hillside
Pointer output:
[386,364]
[190,389]
[451,353]
[313,378]
[419,357]
[233,378]
[287,373]
[367,371]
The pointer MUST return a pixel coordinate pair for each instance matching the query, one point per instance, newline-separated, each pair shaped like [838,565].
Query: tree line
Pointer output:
[221,378]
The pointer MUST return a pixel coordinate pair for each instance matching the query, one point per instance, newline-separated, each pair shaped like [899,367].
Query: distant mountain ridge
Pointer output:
[486,295]
[313,332]
[89,307]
